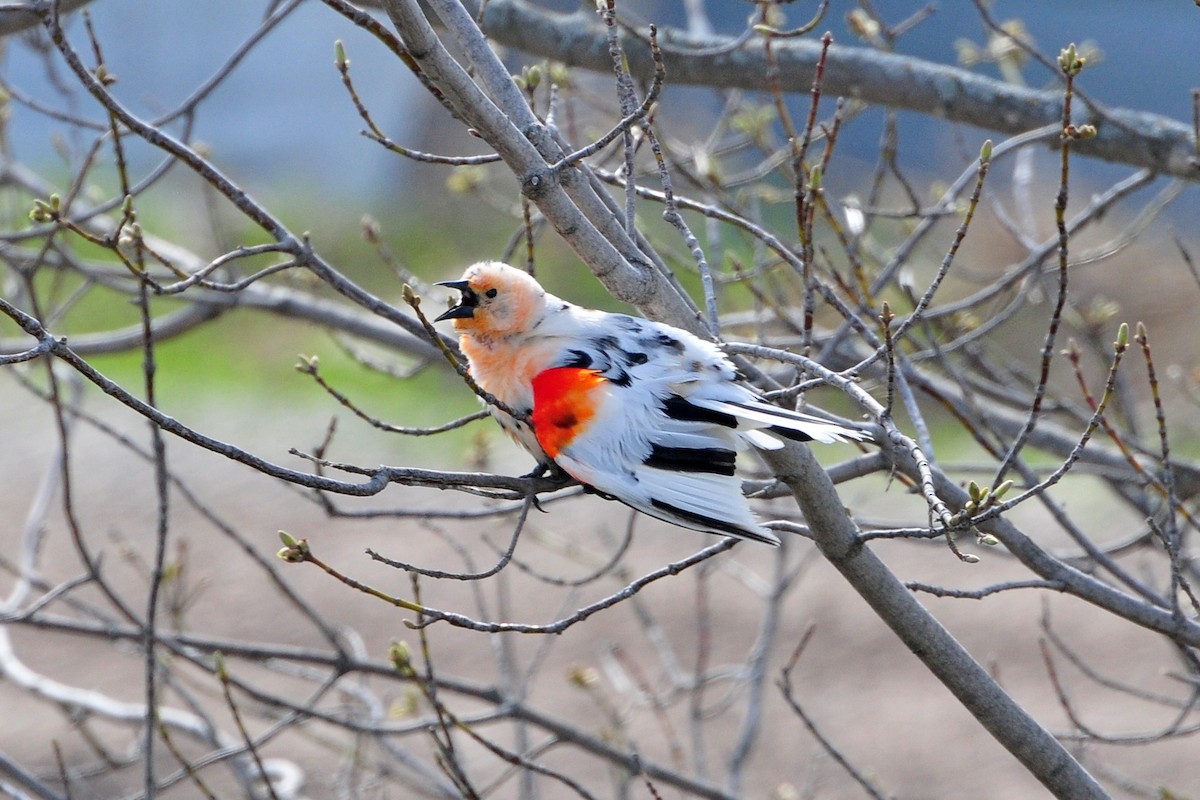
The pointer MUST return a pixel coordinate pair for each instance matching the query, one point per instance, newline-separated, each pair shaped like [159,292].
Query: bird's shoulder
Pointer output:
[627,349]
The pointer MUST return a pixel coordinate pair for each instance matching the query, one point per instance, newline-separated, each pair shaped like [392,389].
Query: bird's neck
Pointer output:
[506,365]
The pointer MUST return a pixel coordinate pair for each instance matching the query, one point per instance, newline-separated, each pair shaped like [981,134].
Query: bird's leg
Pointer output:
[540,470]
[537,472]
[549,470]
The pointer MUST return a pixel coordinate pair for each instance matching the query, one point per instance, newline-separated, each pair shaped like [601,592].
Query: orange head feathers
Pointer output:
[497,300]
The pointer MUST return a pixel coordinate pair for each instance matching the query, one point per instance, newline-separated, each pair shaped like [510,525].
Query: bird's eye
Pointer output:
[491,293]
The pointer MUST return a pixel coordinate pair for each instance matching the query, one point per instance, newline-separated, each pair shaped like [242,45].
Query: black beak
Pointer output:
[466,306]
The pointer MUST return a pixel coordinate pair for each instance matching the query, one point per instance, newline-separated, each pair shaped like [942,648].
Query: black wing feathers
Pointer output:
[676,407]
[789,433]
[711,523]
[715,460]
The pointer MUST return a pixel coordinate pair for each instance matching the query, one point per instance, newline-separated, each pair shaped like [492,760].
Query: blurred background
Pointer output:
[282,126]
[260,126]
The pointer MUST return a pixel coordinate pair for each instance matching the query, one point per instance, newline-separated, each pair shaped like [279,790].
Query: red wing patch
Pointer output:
[563,405]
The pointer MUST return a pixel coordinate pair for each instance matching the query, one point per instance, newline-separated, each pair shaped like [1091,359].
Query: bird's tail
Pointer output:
[793,425]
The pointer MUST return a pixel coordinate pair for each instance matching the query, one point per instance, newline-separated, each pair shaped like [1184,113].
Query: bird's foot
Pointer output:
[539,471]
[550,471]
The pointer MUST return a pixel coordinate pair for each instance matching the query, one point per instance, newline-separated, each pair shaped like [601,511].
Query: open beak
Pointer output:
[466,305]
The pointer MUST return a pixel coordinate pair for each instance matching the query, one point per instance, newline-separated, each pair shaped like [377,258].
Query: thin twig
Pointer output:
[785,688]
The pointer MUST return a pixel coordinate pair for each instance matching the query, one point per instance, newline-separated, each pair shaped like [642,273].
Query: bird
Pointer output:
[635,410]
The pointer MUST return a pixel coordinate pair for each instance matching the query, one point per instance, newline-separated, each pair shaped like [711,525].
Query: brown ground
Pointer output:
[867,694]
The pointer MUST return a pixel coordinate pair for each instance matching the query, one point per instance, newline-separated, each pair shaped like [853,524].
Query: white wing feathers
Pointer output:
[773,417]
[670,420]
[704,502]
[668,448]
[763,441]
[708,502]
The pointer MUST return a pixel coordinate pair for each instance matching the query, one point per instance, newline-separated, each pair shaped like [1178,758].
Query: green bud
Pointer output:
[307,364]
[295,552]
[1069,60]
[560,75]
[583,677]
[1099,311]
[985,152]
[1066,57]
[863,25]
[969,54]
[47,210]
[885,314]
[339,54]
[406,705]
[465,179]
[401,659]
[1122,337]
[533,76]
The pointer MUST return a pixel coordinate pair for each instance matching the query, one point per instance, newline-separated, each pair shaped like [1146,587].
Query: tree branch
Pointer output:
[1125,135]
[837,537]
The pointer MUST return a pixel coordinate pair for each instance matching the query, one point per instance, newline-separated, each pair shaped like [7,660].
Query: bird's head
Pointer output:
[497,300]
